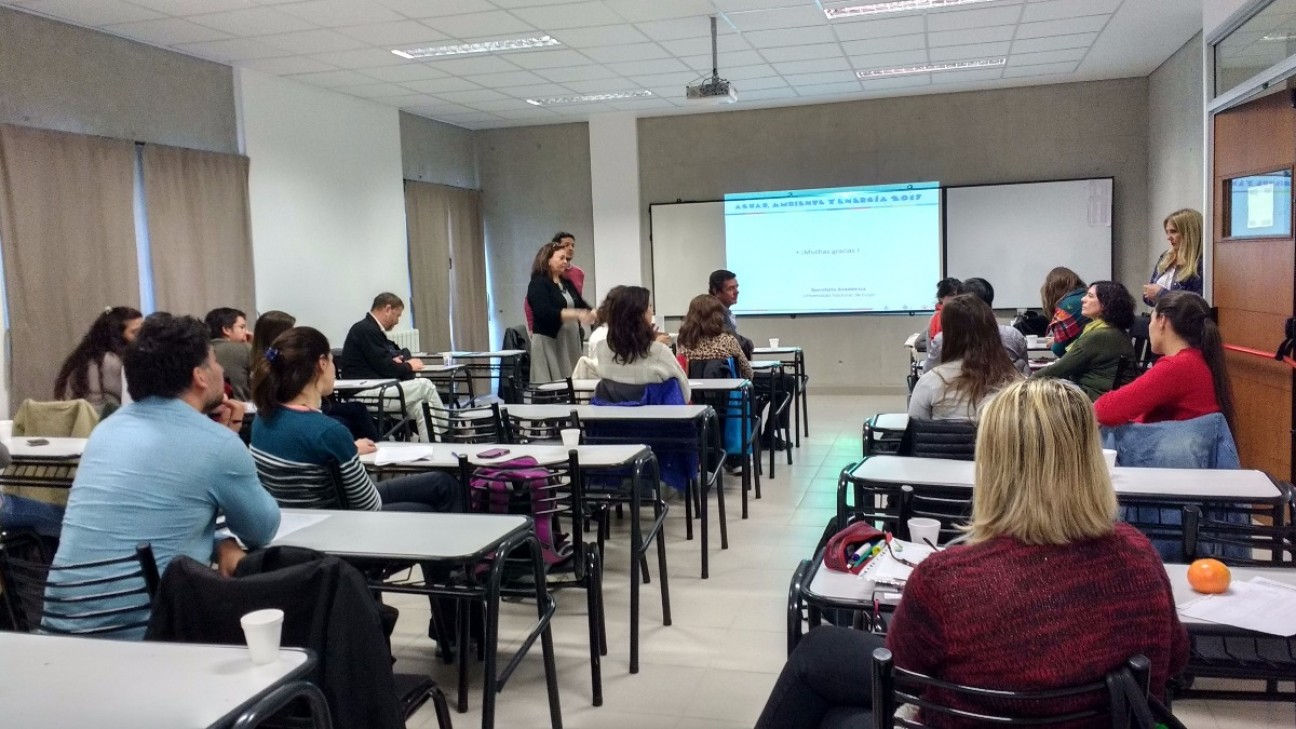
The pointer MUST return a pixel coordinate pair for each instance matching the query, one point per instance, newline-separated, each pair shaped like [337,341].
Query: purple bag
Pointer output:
[518,486]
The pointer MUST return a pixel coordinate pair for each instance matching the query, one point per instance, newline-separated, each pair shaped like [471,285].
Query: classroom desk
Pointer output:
[1134,486]
[42,472]
[62,681]
[460,539]
[801,407]
[883,432]
[702,416]
[452,375]
[638,459]
[352,386]
[502,362]
[740,386]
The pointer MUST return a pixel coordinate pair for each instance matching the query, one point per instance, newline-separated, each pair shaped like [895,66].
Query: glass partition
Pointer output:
[1268,38]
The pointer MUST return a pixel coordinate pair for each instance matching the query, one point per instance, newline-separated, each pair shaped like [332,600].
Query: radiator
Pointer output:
[405,339]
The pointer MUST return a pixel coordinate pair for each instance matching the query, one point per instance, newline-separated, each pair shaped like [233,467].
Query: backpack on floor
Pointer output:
[518,487]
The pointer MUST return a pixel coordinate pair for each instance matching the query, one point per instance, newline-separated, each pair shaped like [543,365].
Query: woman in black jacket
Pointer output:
[559,311]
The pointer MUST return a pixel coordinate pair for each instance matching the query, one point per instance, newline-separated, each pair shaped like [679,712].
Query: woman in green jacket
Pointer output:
[1093,359]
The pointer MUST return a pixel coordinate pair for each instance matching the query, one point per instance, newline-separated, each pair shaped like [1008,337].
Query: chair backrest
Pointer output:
[1090,703]
[522,430]
[877,503]
[558,392]
[42,597]
[951,511]
[1127,370]
[546,492]
[482,424]
[1240,539]
[950,439]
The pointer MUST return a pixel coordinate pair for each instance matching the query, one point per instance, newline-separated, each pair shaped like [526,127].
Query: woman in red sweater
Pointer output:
[1188,381]
[1050,591]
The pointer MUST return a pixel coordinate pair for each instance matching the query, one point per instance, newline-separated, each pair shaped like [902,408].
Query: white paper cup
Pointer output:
[262,629]
[774,343]
[1109,456]
[571,437]
[447,360]
[923,530]
[1032,340]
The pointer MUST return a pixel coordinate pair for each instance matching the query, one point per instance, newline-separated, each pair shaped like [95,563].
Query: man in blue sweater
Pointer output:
[160,469]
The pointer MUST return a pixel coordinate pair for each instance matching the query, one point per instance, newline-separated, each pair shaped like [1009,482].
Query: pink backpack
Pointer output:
[518,487]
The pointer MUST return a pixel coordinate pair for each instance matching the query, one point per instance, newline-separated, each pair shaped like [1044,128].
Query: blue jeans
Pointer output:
[17,512]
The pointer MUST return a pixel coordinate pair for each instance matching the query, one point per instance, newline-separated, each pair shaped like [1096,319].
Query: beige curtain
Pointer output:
[469,315]
[427,221]
[200,234]
[67,223]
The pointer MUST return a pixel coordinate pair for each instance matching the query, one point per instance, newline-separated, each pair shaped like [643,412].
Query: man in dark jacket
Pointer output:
[367,354]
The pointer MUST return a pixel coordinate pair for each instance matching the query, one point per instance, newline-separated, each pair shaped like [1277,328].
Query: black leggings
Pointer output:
[827,683]
[435,492]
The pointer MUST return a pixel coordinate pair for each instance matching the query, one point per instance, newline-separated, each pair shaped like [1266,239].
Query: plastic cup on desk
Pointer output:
[1032,341]
[571,437]
[923,530]
[1109,456]
[447,359]
[262,629]
[774,343]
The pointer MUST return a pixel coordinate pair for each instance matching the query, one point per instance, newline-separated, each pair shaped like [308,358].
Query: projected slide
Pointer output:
[872,248]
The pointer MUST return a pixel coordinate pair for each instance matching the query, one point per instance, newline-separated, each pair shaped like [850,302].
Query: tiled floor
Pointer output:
[714,667]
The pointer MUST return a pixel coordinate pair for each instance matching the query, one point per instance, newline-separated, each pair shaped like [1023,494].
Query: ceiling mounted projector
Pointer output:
[713,90]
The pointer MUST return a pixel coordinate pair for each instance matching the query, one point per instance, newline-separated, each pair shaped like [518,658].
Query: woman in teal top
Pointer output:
[1093,359]
[293,442]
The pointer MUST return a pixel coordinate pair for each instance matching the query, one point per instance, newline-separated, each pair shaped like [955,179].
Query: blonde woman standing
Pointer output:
[1180,267]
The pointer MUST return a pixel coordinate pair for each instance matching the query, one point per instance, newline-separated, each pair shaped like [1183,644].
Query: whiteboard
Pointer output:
[688,243]
[1013,235]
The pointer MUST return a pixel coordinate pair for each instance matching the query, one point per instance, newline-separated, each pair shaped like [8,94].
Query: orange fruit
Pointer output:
[1208,576]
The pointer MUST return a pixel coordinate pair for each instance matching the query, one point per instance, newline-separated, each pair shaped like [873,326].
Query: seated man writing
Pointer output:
[160,470]
[367,354]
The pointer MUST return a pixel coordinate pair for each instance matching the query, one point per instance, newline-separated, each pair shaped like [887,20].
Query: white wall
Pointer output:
[327,202]
[1176,162]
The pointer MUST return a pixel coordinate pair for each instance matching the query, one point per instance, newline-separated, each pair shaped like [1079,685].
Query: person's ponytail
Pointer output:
[1212,349]
[286,367]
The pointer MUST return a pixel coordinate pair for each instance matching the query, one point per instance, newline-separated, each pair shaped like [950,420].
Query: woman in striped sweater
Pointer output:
[293,442]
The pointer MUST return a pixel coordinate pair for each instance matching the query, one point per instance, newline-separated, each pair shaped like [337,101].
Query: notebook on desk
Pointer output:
[887,567]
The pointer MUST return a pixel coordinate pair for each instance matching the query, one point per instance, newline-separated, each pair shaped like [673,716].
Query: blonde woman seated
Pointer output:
[704,335]
[1049,592]
[973,366]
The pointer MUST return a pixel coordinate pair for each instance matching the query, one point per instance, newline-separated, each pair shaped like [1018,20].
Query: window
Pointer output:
[1258,206]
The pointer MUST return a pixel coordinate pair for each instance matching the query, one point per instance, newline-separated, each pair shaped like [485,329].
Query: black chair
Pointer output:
[950,510]
[1127,369]
[894,686]
[1205,536]
[796,607]
[728,409]
[878,504]
[387,408]
[558,392]
[950,439]
[1142,341]
[35,592]
[268,706]
[482,424]
[878,440]
[539,431]
[550,494]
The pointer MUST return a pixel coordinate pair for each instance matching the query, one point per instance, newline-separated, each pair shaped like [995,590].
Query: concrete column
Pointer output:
[614,177]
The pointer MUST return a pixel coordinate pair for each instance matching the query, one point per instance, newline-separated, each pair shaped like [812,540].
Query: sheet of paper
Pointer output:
[288,523]
[391,453]
[1261,605]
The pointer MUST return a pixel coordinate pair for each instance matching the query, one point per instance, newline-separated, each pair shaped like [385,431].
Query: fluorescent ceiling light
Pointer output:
[495,46]
[930,68]
[895,6]
[588,98]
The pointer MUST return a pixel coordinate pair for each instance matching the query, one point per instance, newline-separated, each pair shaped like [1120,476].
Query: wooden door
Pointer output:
[1253,282]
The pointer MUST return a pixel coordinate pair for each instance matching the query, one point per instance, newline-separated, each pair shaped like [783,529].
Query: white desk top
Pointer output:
[403,535]
[776,350]
[912,339]
[608,412]
[766,364]
[716,383]
[362,384]
[1183,592]
[63,682]
[891,421]
[443,454]
[437,369]
[57,448]
[842,586]
[1166,482]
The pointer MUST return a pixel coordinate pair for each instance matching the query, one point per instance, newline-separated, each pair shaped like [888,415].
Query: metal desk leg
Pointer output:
[638,549]
[705,434]
[744,418]
[805,402]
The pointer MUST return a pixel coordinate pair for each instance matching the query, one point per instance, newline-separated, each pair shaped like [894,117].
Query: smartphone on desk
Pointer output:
[37,442]
[493,453]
